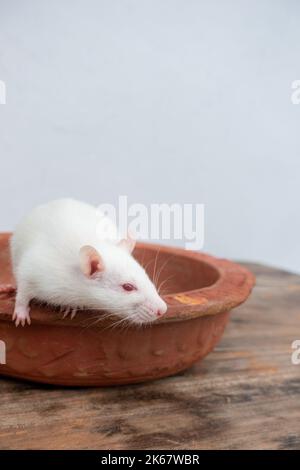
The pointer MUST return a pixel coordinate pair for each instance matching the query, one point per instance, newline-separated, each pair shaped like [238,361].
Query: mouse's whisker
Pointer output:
[165,281]
[98,319]
[155,267]
[117,323]
[143,259]
[127,319]
[163,266]
[91,320]
[148,264]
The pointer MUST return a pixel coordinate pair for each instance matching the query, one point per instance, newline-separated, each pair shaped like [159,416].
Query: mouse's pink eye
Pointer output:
[128,287]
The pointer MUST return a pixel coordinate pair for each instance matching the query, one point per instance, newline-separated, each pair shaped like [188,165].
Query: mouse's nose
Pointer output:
[162,310]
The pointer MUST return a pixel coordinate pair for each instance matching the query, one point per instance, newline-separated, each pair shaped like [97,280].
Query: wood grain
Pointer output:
[244,395]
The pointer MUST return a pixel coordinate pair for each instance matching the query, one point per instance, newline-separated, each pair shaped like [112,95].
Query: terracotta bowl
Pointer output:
[200,290]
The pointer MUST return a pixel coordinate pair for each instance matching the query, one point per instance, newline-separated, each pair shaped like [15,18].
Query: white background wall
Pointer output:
[161,100]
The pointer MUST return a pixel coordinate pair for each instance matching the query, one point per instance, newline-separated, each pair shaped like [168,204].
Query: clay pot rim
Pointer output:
[232,287]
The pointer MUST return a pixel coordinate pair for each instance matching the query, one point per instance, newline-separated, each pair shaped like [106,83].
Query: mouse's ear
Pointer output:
[128,243]
[90,261]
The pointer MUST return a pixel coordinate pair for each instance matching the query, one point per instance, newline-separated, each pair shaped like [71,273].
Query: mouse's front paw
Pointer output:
[21,315]
[68,311]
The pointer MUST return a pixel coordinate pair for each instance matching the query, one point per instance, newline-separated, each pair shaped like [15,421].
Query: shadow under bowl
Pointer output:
[200,291]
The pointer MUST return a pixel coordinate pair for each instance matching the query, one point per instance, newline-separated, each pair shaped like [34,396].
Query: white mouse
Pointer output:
[62,255]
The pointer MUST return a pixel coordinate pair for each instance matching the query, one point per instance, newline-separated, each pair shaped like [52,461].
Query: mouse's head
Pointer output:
[116,282]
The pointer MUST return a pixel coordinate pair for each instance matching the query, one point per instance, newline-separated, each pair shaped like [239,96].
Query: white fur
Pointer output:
[45,256]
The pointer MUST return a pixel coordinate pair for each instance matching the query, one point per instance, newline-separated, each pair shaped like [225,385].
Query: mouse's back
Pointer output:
[63,225]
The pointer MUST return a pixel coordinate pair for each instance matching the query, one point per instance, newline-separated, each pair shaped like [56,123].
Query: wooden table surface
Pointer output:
[244,395]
